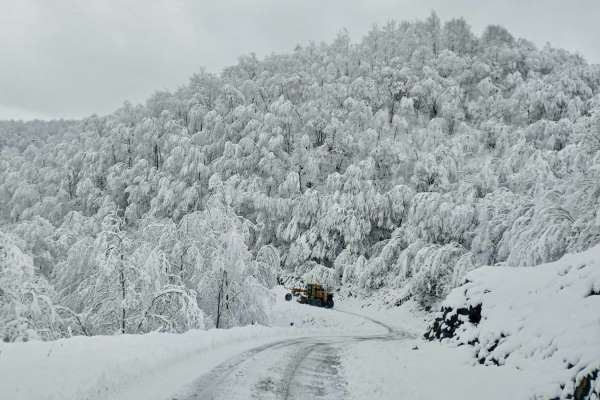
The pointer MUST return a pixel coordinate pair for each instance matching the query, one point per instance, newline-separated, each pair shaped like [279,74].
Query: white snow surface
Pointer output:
[155,365]
[544,312]
[544,319]
[102,367]
[380,306]
[418,369]
[421,370]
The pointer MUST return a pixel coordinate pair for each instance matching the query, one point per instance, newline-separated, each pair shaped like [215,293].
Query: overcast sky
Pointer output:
[73,58]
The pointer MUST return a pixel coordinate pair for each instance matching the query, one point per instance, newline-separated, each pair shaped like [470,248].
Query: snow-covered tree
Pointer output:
[403,159]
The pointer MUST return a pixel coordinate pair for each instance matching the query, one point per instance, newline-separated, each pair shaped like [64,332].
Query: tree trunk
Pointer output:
[156,156]
[129,153]
[123,294]
[219,297]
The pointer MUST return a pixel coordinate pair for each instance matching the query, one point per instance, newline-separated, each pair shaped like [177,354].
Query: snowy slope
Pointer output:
[544,319]
[371,164]
[421,370]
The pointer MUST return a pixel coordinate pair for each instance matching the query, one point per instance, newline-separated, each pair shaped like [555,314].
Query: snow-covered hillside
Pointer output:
[442,184]
[403,160]
[544,319]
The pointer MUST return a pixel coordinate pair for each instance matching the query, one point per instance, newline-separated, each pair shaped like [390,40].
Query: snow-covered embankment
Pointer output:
[544,319]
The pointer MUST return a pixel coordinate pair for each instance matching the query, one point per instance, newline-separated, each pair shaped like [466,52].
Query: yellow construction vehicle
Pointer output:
[313,294]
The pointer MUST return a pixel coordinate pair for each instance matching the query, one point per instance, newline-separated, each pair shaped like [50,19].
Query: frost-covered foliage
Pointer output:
[406,159]
[26,309]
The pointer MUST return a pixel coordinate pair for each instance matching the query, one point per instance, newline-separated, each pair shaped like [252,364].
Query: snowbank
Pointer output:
[420,370]
[107,367]
[94,367]
[544,318]
[390,307]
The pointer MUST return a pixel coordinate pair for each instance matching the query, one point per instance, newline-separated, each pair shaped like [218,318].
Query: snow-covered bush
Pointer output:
[434,272]
[26,308]
[228,280]
[316,273]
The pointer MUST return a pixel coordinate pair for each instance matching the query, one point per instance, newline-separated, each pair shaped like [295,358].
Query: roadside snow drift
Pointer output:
[100,366]
[544,318]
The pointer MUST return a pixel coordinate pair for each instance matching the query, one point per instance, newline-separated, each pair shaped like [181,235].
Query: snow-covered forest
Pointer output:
[404,160]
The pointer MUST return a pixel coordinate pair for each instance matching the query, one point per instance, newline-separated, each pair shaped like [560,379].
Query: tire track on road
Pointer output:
[309,369]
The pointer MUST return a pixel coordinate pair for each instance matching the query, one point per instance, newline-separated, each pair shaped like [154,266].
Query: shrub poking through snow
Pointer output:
[545,317]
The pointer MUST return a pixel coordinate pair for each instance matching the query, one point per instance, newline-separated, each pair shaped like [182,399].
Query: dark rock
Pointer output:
[475,314]
[462,311]
[584,388]
[593,293]
[445,325]
[493,346]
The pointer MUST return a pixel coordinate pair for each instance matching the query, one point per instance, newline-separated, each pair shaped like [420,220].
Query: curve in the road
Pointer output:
[392,332]
[308,371]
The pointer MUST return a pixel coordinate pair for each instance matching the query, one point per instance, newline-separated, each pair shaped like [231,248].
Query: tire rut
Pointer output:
[313,369]
[204,388]
[314,374]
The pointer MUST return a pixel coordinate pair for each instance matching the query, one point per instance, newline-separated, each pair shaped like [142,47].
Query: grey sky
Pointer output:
[72,58]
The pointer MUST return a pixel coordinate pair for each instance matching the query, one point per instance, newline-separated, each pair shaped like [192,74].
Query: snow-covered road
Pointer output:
[283,370]
[357,351]
[286,369]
